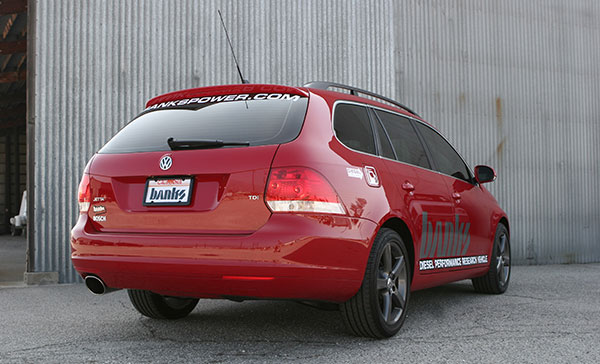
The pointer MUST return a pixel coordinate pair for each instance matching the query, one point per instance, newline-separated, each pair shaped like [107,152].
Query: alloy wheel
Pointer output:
[392,283]
[503,260]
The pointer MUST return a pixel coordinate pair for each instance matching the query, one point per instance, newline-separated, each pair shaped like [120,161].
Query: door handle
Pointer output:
[407,186]
[456,196]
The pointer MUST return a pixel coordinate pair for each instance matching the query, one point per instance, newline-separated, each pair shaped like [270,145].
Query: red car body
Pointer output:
[228,242]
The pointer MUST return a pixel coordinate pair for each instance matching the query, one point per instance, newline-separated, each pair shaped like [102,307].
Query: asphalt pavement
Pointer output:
[550,314]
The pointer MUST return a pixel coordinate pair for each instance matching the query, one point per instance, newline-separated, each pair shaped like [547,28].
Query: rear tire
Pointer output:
[379,307]
[496,280]
[157,306]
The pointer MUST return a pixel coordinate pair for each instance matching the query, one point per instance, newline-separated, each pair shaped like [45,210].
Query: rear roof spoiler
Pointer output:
[324,85]
[225,90]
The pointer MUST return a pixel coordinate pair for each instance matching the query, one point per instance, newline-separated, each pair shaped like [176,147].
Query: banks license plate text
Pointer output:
[168,191]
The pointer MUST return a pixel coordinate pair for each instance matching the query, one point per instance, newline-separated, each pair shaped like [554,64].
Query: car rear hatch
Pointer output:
[195,162]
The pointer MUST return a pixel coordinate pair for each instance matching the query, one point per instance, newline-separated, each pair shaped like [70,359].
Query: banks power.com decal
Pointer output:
[209,100]
[446,245]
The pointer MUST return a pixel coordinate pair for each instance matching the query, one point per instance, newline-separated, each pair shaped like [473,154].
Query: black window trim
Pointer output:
[421,139]
[368,106]
[375,119]
[471,178]
[427,155]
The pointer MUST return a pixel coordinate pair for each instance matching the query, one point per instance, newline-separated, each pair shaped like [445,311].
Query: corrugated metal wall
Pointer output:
[513,84]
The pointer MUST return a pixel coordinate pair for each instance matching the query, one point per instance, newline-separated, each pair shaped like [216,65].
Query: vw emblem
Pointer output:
[165,162]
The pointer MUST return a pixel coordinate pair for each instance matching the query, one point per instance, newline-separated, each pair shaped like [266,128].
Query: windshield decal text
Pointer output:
[198,101]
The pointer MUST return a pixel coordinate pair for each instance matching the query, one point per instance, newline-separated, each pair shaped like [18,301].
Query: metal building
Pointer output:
[513,84]
[13,68]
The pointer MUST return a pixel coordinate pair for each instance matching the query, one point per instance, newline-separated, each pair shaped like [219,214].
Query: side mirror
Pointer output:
[484,174]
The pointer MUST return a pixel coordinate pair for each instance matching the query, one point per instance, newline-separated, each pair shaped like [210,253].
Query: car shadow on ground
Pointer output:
[278,321]
[225,331]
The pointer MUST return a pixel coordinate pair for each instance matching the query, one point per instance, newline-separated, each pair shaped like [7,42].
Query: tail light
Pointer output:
[85,194]
[298,189]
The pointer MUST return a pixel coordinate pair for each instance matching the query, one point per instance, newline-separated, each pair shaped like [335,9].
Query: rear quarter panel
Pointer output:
[316,147]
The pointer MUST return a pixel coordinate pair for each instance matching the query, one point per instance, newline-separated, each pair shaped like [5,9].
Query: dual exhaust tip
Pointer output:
[97,286]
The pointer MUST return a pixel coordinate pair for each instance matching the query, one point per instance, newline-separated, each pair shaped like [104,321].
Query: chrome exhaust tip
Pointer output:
[97,286]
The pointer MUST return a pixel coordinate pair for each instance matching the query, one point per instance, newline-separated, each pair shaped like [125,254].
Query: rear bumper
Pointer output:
[291,257]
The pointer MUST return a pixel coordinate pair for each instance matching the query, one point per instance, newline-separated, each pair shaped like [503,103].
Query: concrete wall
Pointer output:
[513,84]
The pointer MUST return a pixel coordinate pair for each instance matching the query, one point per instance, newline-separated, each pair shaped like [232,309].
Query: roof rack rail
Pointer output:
[324,85]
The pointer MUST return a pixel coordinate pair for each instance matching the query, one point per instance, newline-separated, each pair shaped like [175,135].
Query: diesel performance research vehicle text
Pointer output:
[265,191]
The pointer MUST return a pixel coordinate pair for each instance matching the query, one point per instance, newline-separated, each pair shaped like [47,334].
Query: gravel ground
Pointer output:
[550,314]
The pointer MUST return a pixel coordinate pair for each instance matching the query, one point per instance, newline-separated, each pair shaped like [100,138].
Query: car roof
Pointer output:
[342,96]
[323,85]
[318,88]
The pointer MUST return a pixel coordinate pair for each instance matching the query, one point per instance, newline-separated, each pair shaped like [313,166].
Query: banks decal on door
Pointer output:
[448,243]
[446,240]
[209,100]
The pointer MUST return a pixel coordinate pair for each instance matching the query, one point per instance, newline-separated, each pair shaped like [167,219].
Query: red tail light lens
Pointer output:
[85,195]
[298,189]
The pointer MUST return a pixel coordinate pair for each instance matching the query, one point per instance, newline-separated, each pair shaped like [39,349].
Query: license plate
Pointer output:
[168,191]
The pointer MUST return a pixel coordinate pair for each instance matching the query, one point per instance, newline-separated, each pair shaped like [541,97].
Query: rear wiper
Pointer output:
[200,144]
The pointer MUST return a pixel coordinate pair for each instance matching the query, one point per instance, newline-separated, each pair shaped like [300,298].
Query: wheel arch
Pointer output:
[399,226]
[504,221]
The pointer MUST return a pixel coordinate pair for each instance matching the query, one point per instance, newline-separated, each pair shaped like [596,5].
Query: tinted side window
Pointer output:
[386,147]
[445,157]
[404,139]
[352,127]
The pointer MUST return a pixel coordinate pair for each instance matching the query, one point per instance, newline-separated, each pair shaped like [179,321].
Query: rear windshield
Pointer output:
[259,122]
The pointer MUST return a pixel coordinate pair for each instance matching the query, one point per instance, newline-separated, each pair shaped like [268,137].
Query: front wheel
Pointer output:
[379,308]
[157,306]
[497,278]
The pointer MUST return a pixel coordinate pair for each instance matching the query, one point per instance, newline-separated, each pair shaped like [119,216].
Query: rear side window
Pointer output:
[444,156]
[259,122]
[353,128]
[406,143]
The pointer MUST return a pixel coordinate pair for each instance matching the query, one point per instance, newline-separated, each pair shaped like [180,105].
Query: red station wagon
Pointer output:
[273,192]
